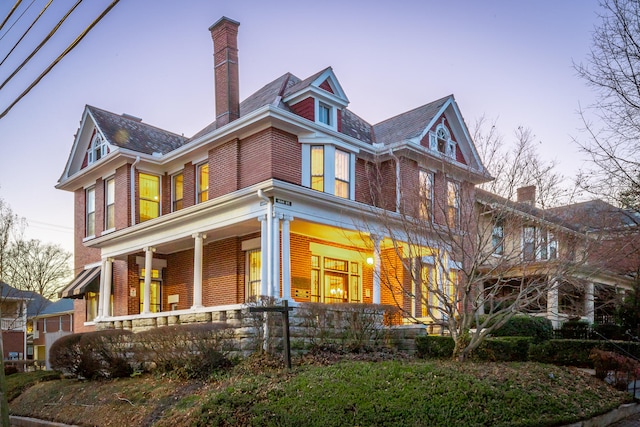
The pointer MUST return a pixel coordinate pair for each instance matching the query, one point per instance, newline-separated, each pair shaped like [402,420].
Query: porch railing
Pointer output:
[11,324]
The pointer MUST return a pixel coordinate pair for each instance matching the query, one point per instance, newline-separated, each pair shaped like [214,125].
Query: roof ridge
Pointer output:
[413,109]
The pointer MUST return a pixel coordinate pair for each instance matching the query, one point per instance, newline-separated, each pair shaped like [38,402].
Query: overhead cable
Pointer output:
[26,31]
[16,21]
[13,9]
[59,58]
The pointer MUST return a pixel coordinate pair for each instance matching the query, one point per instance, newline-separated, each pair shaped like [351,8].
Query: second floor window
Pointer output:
[149,196]
[528,243]
[453,204]
[342,174]
[426,194]
[177,191]
[324,114]
[110,204]
[317,167]
[90,220]
[203,182]
[497,237]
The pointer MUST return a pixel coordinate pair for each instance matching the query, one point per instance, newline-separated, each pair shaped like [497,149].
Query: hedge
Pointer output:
[576,352]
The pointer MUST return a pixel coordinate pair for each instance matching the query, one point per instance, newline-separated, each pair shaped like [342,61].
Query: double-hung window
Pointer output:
[317,167]
[453,204]
[110,204]
[342,183]
[254,276]
[203,183]
[149,196]
[497,237]
[426,194]
[177,191]
[529,243]
[324,114]
[90,218]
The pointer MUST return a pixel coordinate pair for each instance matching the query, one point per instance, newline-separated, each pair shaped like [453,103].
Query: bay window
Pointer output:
[329,169]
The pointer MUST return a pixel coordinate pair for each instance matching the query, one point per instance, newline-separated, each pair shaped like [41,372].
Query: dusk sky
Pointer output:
[510,60]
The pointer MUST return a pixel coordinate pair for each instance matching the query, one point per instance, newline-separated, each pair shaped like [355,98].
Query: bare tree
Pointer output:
[38,267]
[612,68]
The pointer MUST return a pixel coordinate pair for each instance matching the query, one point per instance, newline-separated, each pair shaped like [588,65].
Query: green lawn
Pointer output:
[349,393]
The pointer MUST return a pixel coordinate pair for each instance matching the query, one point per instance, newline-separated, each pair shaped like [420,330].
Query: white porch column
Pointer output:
[589,302]
[376,268]
[275,282]
[148,267]
[197,268]
[265,271]
[105,292]
[552,305]
[286,257]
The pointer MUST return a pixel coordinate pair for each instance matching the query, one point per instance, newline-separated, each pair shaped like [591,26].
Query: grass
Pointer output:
[348,393]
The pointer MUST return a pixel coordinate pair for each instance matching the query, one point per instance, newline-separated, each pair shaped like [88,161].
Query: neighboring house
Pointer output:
[55,321]
[576,249]
[17,308]
[282,195]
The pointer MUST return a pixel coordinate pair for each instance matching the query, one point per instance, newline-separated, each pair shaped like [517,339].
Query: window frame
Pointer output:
[497,236]
[252,282]
[110,203]
[426,179]
[529,238]
[344,182]
[321,270]
[157,200]
[98,148]
[453,223]
[177,204]
[315,167]
[90,212]
[202,194]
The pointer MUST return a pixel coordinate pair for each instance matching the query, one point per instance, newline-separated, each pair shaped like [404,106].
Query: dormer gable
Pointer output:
[319,98]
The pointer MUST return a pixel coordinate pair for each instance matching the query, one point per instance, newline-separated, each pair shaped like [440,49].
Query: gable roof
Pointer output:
[408,125]
[61,306]
[598,215]
[131,133]
[35,302]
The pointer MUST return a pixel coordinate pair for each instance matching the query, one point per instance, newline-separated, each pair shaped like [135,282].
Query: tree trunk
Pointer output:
[4,403]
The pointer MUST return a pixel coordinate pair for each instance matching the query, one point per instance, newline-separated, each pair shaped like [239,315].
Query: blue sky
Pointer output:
[510,60]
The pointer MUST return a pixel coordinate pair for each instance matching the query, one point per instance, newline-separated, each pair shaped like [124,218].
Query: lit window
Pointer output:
[155,300]
[426,194]
[97,149]
[324,114]
[90,219]
[429,298]
[254,276]
[203,183]
[177,191]
[342,161]
[497,237]
[92,299]
[453,204]
[317,167]
[335,280]
[110,204]
[149,196]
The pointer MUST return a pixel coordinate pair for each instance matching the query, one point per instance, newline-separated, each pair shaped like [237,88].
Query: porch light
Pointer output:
[370,260]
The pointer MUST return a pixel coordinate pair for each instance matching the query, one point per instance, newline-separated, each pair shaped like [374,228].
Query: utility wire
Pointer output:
[46,39]
[13,9]
[17,20]
[26,32]
[59,58]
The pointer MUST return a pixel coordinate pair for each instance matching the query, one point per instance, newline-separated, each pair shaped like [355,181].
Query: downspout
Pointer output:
[398,183]
[133,190]
[269,250]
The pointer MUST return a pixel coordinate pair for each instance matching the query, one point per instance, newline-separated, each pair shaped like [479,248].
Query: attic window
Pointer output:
[98,149]
[324,114]
[441,141]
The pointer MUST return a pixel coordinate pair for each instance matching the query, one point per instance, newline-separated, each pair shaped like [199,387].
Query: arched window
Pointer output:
[442,137]
[98,148]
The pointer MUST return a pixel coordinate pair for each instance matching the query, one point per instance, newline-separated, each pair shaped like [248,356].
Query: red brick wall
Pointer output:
[100,206]
[305,108]
[178,278]
[223,172]
[287,157]
[81,254]
[409,186]
[227,94]
[123,197]
[189,183]
[79,316]
[12,341]
[120,288]
[221,272]
[439,198]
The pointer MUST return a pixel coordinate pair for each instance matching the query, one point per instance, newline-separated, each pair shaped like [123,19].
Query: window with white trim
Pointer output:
[155,290]
[254,274]
[441,141]
[110,203]
[343,174]
[497,236]
[149,196]
[97,149]
[177,191]
[335,280]
[426,195]
[90,212]
[324,114]
[529,243]
[453,204]
[203,183]
[317,167]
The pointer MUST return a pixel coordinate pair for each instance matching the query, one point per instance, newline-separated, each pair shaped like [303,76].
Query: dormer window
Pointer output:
[442,139]
[98,149]
[324,114]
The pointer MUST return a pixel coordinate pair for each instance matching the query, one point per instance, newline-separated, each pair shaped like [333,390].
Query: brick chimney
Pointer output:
[225,61]
[527,195]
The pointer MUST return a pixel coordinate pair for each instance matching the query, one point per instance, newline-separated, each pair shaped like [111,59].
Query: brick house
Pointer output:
[282,195]
[585,255]
[55,321]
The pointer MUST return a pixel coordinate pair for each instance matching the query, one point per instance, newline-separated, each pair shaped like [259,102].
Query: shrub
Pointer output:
[574,330]
[187,351]
[576,352]
[92,355]
[504,349]
[620,369]
[610,331]
[539,328]
[10,370]
[434,346]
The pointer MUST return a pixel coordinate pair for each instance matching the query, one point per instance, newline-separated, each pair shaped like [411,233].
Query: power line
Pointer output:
[26,31]
[13,9]
[16,21]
